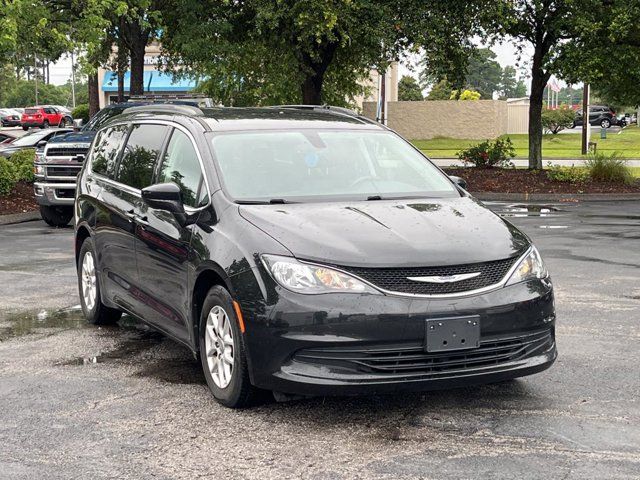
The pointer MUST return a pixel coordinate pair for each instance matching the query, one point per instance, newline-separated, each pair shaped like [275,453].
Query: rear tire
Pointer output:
[25,128]
[94,310]
[56,216]
[605,123]
[223,349]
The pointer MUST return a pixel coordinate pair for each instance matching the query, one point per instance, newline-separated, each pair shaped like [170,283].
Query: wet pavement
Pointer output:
[78,401]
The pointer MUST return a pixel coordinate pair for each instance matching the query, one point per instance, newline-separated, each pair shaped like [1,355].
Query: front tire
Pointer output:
[94,310]
[62,124]
[56,216]
[25,128]
[45,124]
[223,351]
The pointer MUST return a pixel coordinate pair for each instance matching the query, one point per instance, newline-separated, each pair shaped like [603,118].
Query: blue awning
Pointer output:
[154,81]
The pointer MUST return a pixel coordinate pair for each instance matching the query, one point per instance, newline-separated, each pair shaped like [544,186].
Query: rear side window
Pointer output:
[31,111]
[140,155]
[106,149]
[180,165]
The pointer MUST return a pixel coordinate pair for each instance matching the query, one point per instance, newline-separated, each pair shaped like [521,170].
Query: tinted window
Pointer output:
[105,151]
[31,111]
[181,166]
[140,155]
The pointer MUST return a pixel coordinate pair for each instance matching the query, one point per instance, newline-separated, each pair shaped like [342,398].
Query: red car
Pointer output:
[44,116]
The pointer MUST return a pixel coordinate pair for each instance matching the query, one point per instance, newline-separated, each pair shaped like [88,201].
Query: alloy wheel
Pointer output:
[89,289]
[220,346]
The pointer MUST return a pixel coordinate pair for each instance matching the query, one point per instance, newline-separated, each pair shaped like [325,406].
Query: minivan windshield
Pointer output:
[324,165]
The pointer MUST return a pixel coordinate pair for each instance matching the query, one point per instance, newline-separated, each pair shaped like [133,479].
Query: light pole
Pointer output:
[586,127]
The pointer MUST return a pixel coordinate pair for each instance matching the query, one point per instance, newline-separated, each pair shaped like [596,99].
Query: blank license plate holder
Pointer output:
[452,333]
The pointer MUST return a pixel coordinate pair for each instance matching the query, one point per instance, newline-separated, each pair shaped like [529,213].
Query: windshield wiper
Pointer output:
[374,197]
[273,201]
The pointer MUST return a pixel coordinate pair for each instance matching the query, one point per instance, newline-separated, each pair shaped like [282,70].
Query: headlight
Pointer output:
[38,170]
[531,266]
[312,279]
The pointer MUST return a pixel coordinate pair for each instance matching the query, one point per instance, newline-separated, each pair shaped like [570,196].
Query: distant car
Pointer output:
[599,115]
[62,109]
[35,139]
[45,117]
[9,118]
[6,138]
[622,120]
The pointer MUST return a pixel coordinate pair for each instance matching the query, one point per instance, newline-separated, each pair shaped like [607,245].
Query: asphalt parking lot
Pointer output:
[124,402]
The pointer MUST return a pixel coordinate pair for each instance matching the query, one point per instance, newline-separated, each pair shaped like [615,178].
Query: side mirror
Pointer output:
[41,144]
[166,196]
[77,124]
[459,181]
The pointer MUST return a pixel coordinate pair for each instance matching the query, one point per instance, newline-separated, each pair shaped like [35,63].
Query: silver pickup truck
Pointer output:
[56,169]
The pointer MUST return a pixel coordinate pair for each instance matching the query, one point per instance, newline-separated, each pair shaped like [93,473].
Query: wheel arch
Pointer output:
[82,233]
[209,275]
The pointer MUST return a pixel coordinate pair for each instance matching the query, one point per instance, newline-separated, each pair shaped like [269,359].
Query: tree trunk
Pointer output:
[312,90]
[136,87]
[94,98]
[314,69]
[539,79]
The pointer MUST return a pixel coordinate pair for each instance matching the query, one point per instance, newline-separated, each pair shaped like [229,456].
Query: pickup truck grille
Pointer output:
[63,170]
[65,152]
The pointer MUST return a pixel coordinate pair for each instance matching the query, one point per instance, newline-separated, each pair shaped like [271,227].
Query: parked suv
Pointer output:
[304,250]
[44,117]
[598,115]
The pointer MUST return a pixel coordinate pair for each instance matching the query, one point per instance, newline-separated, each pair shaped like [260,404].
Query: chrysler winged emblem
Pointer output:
[445,278]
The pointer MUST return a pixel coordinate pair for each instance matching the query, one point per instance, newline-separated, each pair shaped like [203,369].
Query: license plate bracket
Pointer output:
[452,333]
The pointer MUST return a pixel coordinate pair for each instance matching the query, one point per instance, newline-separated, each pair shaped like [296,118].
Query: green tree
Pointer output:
[484,73]
[409,90]
[608,54]
[440,91]
[556,120]
[510,86]
[547,25]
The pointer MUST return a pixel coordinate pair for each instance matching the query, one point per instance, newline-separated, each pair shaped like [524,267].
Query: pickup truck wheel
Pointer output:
[56,216]
[89,286]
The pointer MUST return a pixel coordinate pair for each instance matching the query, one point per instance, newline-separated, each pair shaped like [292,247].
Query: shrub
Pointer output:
[570,174]
[465,95]
[489,154]
[81,111]
[8,176]
[609,168]
[23,164]
[556,120]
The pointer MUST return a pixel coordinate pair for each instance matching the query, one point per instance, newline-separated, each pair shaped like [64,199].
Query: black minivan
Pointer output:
[306,251]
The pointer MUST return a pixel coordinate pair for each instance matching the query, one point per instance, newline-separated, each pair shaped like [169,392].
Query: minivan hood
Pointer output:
[385,233]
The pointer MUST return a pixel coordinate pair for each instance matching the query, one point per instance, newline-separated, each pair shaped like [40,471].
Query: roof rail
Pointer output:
[165,108]
[326,108]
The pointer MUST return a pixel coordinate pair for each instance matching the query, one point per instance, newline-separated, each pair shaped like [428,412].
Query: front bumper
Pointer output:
[346,344]
[54,193]
[10,123]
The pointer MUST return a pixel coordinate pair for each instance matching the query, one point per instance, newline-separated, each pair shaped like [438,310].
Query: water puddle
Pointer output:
[528,210]
[126,349]
[25,323]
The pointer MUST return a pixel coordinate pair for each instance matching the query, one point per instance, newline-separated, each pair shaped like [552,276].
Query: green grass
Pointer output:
[553,146]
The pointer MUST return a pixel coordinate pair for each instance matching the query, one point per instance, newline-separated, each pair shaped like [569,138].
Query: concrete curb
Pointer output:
[19,217]
[557,197]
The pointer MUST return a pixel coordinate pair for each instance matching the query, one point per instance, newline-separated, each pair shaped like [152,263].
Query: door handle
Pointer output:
[130,214]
